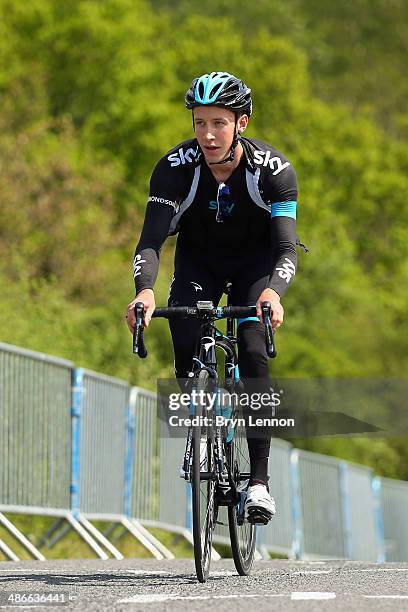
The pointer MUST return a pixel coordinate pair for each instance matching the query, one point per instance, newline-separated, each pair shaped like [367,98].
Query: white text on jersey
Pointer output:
[274,162]
[182,157]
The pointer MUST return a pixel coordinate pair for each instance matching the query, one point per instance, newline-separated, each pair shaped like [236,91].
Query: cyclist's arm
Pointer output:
[283,230]
[159,212]
[147,253]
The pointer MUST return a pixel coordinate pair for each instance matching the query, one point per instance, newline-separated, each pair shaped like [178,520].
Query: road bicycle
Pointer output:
[216,460]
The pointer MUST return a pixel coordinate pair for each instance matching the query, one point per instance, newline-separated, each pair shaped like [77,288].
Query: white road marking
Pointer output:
[382,569]
[148,572]
[297,595]
[316,562]
[386,596]
[316,572]
[248,595]
[152,598]
[28,571]
[155,598]
[224,573]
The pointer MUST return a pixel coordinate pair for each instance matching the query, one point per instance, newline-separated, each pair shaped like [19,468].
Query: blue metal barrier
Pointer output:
[101,411]
[73,442]
[77,392]
[35,429]
[297,546]
[392,526]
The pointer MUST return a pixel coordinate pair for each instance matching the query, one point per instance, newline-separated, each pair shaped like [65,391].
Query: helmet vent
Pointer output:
[200,90]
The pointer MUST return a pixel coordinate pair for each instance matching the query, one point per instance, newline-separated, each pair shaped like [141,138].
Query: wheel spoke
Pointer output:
[242,536]
[203,490]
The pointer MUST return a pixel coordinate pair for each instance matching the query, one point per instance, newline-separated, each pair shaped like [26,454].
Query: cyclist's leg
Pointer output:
[251,280]
[193,280]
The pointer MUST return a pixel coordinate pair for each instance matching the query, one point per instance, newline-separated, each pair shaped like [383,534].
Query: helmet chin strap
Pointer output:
[230,157]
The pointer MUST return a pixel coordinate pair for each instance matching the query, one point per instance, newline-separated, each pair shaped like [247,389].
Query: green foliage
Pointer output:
[92,95]
[58,215]
[356,50]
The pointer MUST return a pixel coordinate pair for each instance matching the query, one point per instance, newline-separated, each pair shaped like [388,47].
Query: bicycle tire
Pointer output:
[203,499]
[242,536]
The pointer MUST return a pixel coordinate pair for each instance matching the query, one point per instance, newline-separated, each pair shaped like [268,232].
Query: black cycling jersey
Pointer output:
[243,230]
[258,208]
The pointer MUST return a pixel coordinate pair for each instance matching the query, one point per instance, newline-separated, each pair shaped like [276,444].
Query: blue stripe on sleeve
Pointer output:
[284,209]
[239,321]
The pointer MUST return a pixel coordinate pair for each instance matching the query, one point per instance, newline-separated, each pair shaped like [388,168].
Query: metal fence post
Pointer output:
[129,460]
[77,394]
[379,524]
[345,499]
[297,546]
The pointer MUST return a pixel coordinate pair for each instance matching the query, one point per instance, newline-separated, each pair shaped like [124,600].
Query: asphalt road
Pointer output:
[153,586]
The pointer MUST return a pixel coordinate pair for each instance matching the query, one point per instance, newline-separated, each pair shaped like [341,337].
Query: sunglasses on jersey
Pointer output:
[224,203]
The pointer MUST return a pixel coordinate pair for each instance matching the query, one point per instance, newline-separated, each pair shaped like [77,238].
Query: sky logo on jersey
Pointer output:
[212,205]
[287,270]
[263,158]
[183,157]
[137,265]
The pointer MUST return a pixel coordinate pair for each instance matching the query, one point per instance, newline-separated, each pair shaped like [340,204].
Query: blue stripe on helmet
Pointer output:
[209,81]
[284,209]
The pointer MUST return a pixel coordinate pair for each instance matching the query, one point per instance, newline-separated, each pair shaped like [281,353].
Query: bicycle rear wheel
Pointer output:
[203,483]
[242,533]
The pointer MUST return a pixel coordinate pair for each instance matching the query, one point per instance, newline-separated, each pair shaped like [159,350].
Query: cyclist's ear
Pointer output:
[242,123]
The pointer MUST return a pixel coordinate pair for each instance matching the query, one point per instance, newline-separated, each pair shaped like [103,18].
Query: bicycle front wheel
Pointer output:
[242,533]
[203,482]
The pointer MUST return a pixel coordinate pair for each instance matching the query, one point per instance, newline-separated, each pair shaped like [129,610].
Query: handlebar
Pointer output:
[139,347]
[266,318]
[202,310]
[218,312]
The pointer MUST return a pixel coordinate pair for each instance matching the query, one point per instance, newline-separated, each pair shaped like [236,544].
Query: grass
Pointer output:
[65,543]
[72,546]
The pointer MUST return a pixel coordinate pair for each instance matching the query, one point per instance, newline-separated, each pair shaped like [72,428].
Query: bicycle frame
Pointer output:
[205,358]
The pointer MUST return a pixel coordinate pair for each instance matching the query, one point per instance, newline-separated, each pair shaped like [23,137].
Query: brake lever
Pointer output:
[139,347]
[266,319]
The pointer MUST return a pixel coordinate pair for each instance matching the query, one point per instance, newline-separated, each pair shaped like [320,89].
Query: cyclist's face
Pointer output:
[214,129]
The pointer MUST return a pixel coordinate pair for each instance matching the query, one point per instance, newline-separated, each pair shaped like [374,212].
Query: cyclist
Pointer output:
[232,200]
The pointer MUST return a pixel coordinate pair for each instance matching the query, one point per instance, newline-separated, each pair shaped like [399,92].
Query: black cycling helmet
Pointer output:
[220,89]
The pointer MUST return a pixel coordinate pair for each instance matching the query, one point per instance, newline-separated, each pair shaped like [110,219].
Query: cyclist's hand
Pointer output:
[147,297]
[269,295]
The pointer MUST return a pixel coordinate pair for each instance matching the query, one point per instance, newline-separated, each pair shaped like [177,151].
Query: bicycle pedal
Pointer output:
[259,517]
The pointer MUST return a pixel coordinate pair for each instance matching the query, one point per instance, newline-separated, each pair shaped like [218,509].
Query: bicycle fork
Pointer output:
[220,472]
